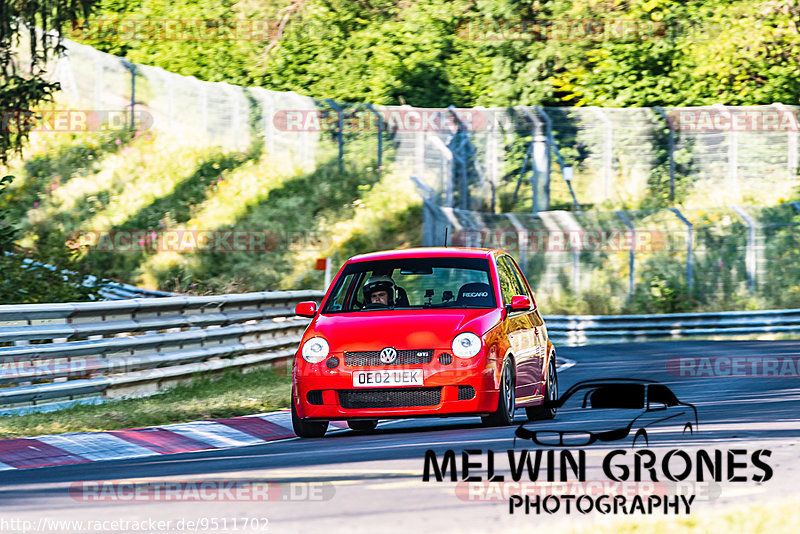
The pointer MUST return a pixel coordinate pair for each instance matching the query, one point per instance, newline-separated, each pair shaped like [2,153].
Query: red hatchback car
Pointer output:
[423,332]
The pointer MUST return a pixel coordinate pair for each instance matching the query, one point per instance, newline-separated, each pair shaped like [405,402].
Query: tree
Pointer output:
[23,85]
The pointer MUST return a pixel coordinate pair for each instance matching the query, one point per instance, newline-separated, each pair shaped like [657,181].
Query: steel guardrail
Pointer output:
[54,355]
[57,354]
[574,330]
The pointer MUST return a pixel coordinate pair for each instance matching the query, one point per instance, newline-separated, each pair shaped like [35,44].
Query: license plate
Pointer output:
[400,377]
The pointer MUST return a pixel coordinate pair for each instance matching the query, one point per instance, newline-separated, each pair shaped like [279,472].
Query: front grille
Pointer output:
[389,397]
[373,357]
[465,392]
[314,397]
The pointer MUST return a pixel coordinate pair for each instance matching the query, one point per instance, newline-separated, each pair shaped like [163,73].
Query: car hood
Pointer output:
[402,329]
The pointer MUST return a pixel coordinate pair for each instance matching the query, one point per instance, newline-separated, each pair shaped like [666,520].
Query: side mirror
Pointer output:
[520,303]
[306,309]
[651,406]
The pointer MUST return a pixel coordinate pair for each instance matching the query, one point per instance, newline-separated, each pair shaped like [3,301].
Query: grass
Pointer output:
[232,394]
[105,181]
[774,518]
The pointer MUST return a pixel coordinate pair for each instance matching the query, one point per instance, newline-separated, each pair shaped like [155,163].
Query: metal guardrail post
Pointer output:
[632,253]
[671,149]
[750,254]
[380,135]
[340,128]
[689,249]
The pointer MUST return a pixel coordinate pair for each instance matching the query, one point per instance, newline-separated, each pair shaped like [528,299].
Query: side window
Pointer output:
[508,282]
[523,289]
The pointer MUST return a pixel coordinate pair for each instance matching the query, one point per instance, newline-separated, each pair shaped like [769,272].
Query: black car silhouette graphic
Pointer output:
[613,409]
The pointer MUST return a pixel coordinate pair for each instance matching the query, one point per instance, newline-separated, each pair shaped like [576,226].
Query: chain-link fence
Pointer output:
[711,258]
[523,159]
[507,172]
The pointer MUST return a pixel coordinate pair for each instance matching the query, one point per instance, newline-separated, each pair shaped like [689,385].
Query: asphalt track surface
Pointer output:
[349,482]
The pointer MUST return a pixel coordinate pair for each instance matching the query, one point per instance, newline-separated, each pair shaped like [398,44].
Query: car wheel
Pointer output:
[640,439]
[307,429]
[506,401]
[551,394]
[362,425]
[687,429]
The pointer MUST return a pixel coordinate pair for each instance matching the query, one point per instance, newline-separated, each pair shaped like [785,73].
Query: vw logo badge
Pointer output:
[388,355]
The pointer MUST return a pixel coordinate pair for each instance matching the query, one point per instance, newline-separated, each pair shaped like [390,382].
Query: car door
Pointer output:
[519,332]
[538,327]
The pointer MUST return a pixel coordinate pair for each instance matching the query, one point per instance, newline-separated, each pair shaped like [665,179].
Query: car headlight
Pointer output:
[315,350]
[466,345]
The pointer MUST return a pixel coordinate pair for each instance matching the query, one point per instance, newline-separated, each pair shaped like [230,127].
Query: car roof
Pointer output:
[427,252]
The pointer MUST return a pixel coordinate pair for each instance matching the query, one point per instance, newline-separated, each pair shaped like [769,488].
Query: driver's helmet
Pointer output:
[379,283]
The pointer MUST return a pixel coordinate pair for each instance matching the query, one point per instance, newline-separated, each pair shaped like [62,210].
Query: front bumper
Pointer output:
[463,387]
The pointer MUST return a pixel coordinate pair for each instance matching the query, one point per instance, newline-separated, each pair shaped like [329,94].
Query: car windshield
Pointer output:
[412,283]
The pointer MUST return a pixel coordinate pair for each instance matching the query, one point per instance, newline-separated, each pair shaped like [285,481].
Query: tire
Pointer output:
[307,429]
[551,394]
[640,439]
[687,429]
[362,425]
[506,400]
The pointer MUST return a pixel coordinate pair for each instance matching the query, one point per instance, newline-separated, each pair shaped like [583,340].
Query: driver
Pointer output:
[380,290]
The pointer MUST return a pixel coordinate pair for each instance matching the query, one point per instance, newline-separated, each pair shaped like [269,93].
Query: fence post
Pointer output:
[733,153]
[632,253]
[608,140]
[340,128]
[132,69]
[540,154]
[380,136]
[268,114]
[462,156]
[98,84]
[689,249]
[204,106]
[751,261]
[447,172]
[671,151]
[791,144]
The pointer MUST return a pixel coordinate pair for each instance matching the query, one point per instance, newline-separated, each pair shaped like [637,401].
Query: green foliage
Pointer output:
[22,89]
[439,52]
[29,282]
